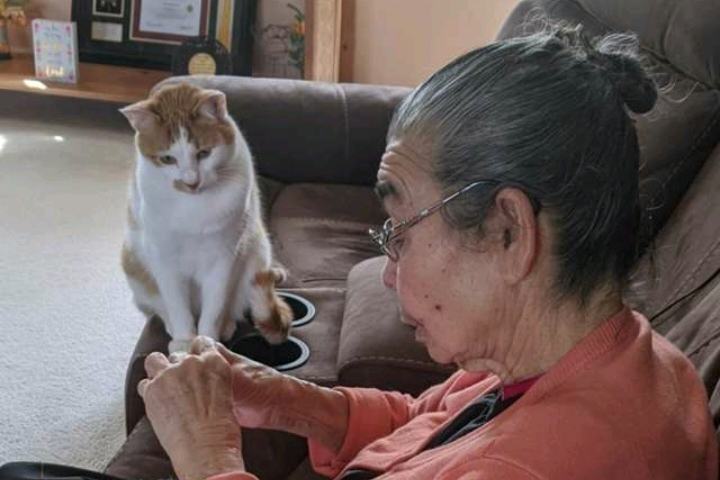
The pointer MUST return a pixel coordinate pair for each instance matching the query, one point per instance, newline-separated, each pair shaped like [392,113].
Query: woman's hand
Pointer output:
[189,404]
[266,398]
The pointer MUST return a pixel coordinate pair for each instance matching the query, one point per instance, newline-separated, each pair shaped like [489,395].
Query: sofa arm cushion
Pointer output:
[152,339]
[376,349]
[309,131]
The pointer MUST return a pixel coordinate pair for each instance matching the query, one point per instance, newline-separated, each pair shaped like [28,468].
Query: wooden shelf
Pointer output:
[97,82]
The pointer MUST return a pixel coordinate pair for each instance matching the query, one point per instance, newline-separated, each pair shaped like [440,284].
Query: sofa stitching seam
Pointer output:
[346,122]
[690,276]
[714,336]
[386,359]
[694,147]
[332,221]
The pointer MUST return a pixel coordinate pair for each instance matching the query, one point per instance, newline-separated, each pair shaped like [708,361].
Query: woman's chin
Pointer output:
[438,355]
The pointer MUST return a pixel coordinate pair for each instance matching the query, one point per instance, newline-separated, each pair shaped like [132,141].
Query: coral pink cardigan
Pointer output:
[622,404]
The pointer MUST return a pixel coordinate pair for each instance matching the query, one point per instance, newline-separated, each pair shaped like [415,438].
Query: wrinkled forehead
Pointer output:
[405,176]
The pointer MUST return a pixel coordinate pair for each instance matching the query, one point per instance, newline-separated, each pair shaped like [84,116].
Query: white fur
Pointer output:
[203,249]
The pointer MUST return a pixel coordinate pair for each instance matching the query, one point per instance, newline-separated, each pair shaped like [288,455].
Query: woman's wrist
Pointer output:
[315,412]
[330,418]
[205,464]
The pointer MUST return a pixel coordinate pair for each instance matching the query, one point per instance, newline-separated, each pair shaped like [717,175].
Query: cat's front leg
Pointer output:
[215,288]
[180,322]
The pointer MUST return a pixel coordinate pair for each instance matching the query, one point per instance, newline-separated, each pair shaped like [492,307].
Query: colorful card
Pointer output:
[56,50]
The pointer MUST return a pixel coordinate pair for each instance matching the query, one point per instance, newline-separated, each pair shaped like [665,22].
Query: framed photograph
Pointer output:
[108,8]
[148,33]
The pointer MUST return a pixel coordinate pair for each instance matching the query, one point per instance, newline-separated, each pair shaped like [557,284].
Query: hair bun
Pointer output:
[617,55]
[632,82]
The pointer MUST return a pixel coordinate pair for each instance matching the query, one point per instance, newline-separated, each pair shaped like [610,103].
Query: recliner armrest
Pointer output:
[153,339]
[302,131]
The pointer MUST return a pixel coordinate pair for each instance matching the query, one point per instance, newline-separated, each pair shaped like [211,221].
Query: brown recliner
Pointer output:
[317,147]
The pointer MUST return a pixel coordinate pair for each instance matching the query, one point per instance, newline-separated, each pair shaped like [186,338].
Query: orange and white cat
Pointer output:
[196,252]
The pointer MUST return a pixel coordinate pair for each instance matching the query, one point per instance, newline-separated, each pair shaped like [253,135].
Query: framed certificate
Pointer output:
[169,21]
[148,33]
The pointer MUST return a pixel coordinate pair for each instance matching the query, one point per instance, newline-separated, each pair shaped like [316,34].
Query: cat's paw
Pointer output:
[179,346]
[276,328]
[279,275]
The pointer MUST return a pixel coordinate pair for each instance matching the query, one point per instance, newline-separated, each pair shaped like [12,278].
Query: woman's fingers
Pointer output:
[155,363]
[201,344]
[231,357]
[142,386]
[176,357]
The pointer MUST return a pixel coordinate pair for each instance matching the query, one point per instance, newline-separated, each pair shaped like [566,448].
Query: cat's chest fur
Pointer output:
[191,232]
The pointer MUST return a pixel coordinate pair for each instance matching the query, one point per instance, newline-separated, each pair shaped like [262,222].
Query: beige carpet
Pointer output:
[67,324]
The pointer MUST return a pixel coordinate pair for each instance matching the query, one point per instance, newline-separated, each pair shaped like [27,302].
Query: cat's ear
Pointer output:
[213,105]
[140,116]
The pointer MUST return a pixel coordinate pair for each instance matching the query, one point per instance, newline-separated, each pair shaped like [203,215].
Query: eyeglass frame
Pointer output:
[388,232]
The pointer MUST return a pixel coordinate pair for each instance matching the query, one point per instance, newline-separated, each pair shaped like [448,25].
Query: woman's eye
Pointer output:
[202,154]
[168,160]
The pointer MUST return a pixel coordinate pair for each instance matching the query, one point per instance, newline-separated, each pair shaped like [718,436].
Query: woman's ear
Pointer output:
[517,220]
[140,116]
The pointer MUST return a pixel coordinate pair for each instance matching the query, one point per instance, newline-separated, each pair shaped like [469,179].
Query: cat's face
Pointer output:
[186,134]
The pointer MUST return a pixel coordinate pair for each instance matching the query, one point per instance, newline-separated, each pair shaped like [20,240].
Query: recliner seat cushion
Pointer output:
[320,231]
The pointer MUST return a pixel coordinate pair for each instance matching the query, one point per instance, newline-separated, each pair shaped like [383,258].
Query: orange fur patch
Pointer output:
[177,107]
[135,269]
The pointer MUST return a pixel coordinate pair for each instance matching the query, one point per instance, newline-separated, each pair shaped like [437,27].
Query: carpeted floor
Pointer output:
[67,323]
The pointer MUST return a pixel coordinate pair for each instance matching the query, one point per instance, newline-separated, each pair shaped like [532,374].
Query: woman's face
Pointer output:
[451,293]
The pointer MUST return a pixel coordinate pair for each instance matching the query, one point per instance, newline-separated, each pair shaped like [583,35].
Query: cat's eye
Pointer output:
[202,154]
[168,160]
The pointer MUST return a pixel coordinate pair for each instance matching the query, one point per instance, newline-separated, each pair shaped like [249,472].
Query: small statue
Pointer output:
[11,12]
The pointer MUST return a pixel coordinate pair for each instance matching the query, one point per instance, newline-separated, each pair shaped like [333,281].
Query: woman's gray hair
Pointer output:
[547,113]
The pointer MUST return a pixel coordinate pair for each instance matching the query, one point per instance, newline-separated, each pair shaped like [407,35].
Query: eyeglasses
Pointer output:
[387,236]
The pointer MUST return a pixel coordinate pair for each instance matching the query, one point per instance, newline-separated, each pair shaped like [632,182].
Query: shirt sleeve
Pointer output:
[489,468]
[238,475]
[372,414]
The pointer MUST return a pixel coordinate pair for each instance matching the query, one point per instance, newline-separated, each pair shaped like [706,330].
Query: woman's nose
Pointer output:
[389,273]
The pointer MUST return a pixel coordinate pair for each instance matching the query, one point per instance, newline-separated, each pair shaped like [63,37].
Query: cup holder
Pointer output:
[291,354]
[303,310]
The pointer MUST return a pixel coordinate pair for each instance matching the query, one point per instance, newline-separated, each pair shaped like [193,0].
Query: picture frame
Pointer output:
[108,8]
[146,36]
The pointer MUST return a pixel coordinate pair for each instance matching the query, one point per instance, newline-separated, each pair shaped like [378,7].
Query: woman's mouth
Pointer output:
[408,320]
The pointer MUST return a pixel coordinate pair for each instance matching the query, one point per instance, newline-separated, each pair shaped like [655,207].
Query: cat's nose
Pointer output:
[191,179]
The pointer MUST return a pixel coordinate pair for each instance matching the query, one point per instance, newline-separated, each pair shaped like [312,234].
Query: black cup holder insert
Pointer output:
[291,354]
[303,310]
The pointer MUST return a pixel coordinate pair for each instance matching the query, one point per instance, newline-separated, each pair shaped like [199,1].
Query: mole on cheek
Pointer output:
[438,308]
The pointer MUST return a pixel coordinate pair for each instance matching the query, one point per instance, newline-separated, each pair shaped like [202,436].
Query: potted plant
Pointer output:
[11,12]
[296,41]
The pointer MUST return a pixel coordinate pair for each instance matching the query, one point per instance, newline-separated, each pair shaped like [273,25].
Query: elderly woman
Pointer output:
[511,182]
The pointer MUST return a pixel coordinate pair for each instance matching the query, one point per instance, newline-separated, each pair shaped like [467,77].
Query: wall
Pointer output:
[21,38]
[392,42]
[401,42]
